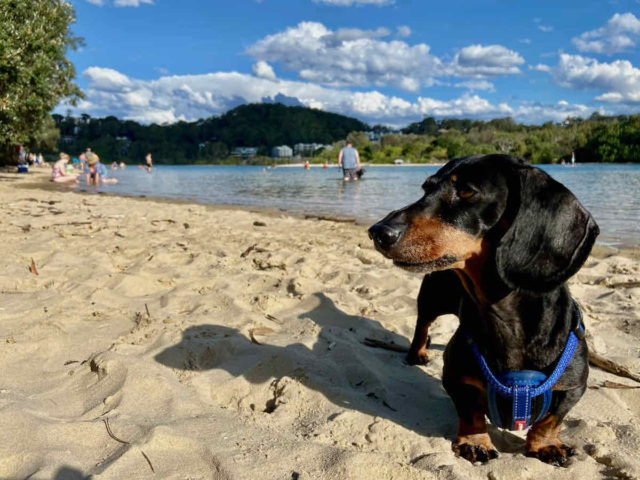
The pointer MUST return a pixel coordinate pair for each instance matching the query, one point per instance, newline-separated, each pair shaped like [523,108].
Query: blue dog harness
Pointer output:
[515,397]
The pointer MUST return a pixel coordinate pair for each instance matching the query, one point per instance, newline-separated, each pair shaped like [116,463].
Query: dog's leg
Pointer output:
[440,293]
[472,441]
[542,439]
[418,354]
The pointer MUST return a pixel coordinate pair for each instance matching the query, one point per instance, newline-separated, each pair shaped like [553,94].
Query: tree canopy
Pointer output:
[35,74]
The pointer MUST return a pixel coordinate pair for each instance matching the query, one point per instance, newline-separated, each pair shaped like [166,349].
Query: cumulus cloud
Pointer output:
[404,31]
[263,70]
[535,112]
[348,57]
[486,61]
[545,28]
[189,97]
[476,85]
[349,3]
[619,34]
[619,80]
[355,57]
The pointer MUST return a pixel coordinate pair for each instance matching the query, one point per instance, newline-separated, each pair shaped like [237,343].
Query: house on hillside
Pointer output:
[283,151]
[307,149]
[244,152]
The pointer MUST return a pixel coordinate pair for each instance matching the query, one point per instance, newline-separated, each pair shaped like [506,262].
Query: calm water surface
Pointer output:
[610,192]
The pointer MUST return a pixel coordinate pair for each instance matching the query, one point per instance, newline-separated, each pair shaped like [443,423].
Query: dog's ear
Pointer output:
[550,237]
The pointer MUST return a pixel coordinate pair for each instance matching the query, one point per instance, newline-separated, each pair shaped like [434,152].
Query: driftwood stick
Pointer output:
[610,366]
[372,342]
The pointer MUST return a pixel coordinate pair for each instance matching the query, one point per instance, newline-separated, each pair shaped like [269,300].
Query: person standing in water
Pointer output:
[349,161]
[149,162]
[573,159]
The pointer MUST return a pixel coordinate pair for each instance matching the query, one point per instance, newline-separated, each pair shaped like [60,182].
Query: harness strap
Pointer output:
[521,395]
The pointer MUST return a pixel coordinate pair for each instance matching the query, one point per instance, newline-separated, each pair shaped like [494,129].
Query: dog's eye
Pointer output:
[466,193]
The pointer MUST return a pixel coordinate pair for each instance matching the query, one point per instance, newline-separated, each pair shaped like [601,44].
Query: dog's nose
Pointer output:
[384,235]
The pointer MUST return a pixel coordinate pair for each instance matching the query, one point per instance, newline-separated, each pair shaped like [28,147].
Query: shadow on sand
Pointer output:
[349,374]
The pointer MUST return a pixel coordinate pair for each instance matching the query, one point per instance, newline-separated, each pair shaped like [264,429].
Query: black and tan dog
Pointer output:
[497,240]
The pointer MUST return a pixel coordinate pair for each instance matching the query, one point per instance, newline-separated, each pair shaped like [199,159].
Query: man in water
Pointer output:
[349,160]
[149,162]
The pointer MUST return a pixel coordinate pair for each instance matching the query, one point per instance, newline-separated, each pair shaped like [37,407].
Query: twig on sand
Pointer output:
[148,461]
[610,366]
[273,319]
[624,285]
[609,384]
[32,267]
[106,424]
[248,250]
[147,309]
[372,342]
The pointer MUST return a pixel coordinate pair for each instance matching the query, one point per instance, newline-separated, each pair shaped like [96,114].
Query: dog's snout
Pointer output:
[385,235]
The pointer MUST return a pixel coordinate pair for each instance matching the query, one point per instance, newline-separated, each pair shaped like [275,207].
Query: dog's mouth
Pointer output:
[430,266]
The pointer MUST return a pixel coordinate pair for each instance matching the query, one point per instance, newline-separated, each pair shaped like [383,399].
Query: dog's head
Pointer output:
[496,206]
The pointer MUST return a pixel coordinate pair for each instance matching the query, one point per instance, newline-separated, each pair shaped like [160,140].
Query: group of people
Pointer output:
[88,163]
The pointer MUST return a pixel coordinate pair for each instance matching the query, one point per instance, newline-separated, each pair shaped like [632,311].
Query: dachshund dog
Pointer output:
[497,240]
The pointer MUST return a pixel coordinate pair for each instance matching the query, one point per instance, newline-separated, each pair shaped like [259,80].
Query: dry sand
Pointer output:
[209,363]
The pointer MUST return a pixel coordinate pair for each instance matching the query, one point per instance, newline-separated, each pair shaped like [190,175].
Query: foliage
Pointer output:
[35,74]
[211,140]
[597,139]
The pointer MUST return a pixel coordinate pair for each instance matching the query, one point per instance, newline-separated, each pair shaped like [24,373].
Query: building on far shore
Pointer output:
[244,152]
[283,151]
[307,149]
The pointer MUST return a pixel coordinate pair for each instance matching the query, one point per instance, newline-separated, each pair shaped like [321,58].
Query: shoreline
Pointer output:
[233,341]
[631,249]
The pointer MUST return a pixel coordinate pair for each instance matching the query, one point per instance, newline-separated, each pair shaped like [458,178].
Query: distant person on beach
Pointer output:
[149,162]
[349,161]
[59,170]
[92,176]
[96,173]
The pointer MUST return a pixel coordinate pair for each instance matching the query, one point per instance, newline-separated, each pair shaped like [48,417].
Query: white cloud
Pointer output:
[486,61]
[545,28]
[526,41]
[476,85]
[348,57]
[354,57]
[96,2]
[263,70]
[404,31]
[619,80]
[535,112]
[619,34]
[541,68]
[349,3]
[189,97]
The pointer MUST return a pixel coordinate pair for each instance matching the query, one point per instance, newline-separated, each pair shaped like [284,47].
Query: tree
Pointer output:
[35,74]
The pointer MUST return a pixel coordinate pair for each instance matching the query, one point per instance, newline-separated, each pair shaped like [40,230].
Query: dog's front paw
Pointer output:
[474,453]
[419,357]
[556,455]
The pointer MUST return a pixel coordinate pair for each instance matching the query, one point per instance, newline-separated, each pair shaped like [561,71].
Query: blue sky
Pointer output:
[382,61]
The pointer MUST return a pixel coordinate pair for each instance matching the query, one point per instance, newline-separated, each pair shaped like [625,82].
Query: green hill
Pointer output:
[208,140]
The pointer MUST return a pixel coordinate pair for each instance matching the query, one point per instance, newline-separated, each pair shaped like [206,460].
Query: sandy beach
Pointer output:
[151,339]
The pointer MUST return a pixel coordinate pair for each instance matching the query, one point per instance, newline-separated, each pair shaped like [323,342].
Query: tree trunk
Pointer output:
[8,154]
